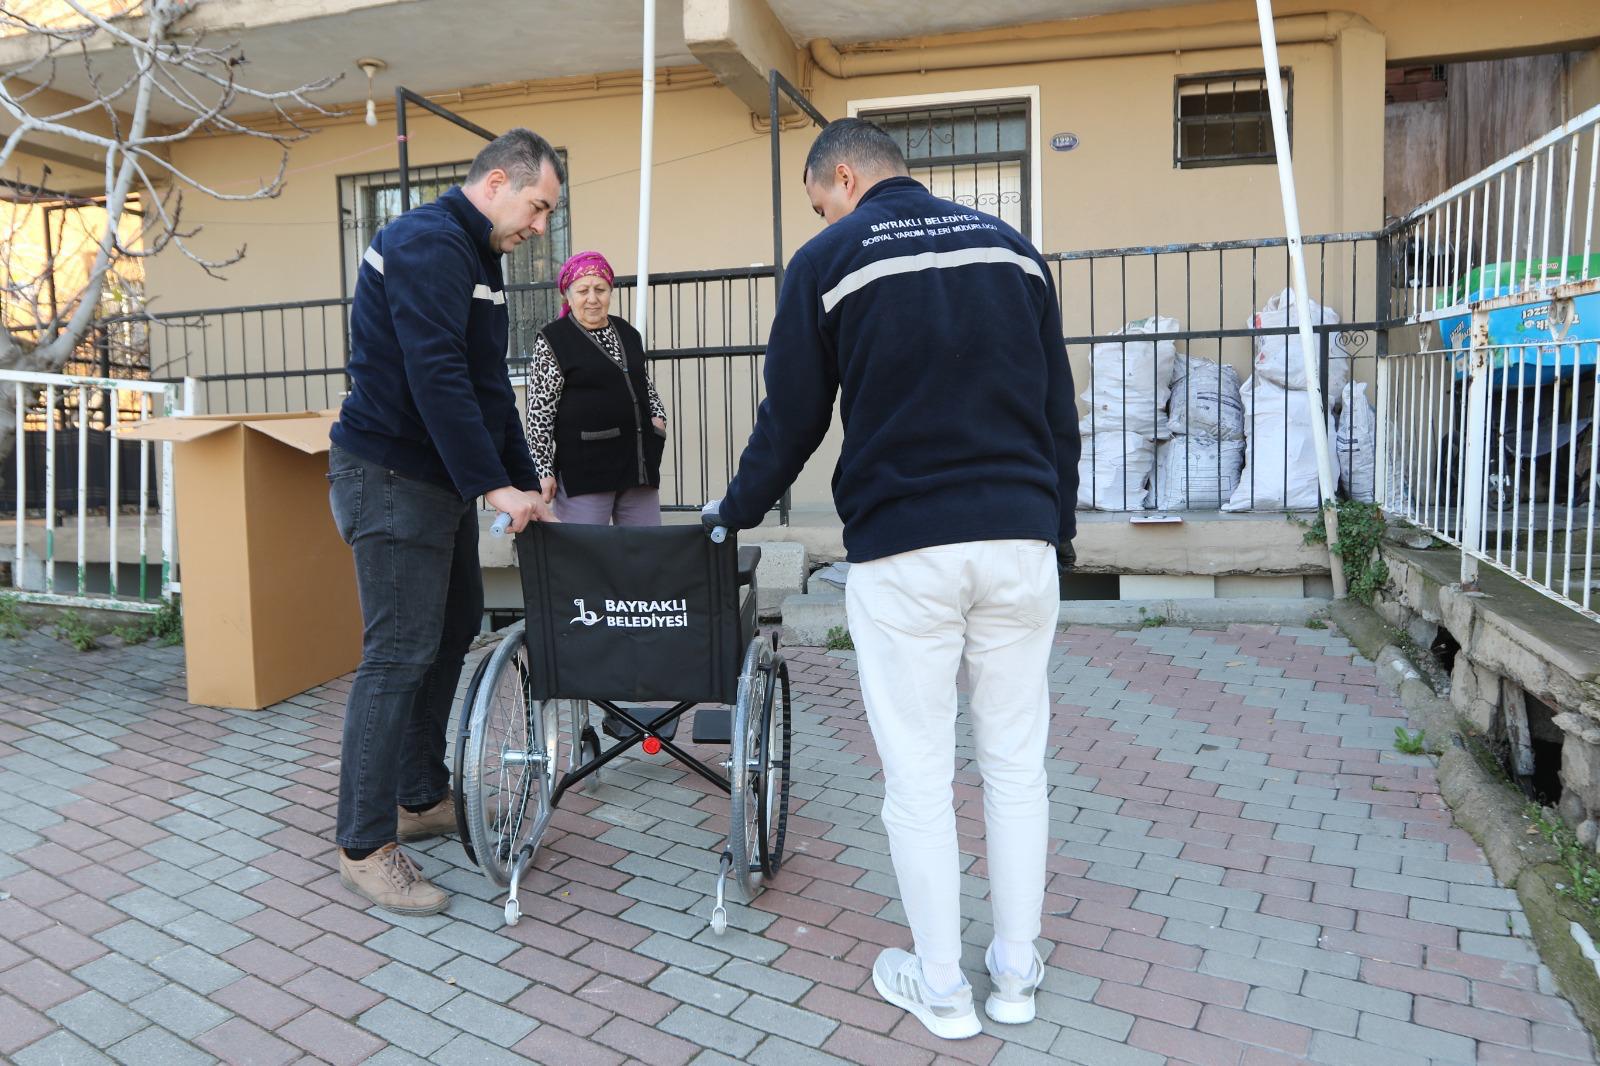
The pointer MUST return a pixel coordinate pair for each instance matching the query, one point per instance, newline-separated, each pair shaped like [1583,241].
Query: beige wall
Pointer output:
[712,179]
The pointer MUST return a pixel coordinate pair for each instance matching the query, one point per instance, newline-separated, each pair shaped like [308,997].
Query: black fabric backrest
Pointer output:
[628,613]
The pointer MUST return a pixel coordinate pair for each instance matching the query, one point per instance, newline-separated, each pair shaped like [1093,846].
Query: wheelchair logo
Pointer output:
[587,617]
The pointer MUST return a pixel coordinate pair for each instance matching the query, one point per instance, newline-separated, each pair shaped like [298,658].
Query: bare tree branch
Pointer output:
[172,70]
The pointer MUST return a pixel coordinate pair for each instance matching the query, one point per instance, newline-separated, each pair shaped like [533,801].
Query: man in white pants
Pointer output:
[938,327]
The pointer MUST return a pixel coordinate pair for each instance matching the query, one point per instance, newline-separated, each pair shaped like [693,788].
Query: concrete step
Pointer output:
[807,618]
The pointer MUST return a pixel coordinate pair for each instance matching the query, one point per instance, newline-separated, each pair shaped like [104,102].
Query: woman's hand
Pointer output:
[547,487]
[659,423]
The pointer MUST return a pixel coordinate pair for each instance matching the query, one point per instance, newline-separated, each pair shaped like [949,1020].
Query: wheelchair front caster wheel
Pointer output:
[719,920]
[588,751]
[513,911]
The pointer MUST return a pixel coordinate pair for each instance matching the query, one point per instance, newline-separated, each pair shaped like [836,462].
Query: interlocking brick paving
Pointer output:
[1243,872]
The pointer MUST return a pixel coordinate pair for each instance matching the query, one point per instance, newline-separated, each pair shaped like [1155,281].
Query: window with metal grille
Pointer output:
[1223,119]
[368,202]
[974,154]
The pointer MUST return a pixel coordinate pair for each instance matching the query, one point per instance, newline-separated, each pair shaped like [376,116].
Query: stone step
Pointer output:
[807,618]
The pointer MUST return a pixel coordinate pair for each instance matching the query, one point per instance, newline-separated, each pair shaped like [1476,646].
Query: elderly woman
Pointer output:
[595,422]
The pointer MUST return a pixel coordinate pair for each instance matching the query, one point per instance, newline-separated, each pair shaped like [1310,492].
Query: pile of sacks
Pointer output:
[1177,433]
[1161,430]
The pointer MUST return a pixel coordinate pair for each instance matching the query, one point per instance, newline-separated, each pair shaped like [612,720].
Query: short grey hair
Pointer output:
[522,154]
[854,141]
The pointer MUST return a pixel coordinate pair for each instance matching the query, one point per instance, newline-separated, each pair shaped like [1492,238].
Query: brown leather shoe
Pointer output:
[437,821]
[390,879]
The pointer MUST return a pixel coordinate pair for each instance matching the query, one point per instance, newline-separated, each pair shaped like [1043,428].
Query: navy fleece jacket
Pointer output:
[939,328]
[430,396]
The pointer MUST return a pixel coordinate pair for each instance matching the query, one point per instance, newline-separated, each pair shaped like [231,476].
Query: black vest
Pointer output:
[605,441]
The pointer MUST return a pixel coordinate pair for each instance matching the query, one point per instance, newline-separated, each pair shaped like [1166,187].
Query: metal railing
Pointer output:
[68,430]
[1489,431]
[706,341]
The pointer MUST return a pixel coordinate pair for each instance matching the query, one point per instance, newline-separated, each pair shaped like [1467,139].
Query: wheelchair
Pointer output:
[617,617]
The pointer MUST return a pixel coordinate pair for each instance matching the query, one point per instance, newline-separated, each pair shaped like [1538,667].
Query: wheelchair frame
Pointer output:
[755,776]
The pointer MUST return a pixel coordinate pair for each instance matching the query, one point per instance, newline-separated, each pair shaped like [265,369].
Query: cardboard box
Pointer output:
[269,591]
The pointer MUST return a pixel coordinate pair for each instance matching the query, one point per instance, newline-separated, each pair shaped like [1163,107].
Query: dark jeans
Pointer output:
[416,549]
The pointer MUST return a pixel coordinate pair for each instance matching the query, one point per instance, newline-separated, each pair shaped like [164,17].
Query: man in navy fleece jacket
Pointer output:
[430,425]
[939,329]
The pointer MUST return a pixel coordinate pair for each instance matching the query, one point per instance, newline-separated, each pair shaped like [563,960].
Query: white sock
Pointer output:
[943,977]
[1012,956]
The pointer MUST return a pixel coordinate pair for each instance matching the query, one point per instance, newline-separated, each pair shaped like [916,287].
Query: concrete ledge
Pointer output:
[780,575]
[1193,612]
[1209,544]
[807,619]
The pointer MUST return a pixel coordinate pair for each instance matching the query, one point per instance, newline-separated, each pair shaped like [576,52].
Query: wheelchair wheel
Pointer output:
[513,755]
[759,768]
[458,777]
[773,795]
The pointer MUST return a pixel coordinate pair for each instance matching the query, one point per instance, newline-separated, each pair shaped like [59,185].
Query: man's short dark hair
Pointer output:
[856,142]
[521,153]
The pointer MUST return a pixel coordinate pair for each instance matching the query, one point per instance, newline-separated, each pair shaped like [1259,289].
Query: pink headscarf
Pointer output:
[582,265]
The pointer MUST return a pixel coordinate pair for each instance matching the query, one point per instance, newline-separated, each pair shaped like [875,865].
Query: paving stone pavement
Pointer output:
[1243,872]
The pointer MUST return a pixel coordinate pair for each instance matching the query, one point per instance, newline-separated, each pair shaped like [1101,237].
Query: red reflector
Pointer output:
[652,745]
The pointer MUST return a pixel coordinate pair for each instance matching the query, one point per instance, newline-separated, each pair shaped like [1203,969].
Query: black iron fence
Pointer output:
[706,337]
[1160,338]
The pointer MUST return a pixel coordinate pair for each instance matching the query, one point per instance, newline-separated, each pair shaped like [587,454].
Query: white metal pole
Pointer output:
[1308,343]
[647,124]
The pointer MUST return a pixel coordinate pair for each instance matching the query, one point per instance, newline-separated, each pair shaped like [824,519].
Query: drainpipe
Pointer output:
[1302,305]
[647,126]
[929,53]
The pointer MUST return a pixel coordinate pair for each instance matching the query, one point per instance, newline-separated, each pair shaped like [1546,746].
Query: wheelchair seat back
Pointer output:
[632,613]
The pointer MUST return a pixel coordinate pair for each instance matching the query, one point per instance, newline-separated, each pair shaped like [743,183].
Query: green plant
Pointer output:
[1151,621]
[1577,860]
[165,627]
[1316,623]
[1409,743]
[75,630]
[1360,533]
[12,624]
[839,639]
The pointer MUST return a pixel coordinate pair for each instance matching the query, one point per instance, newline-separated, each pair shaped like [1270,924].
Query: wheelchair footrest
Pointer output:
[713,725]
[617,729]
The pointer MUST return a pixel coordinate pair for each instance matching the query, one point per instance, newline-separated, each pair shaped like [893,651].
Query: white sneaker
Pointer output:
[1011,997]
[897,975]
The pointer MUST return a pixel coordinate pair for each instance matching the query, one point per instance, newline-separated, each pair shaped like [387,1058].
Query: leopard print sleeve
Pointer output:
[544,398]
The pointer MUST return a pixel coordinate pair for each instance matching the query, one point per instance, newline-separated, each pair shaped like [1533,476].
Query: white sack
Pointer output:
[1205,399]
[1129,381]
[1113,470]
[1278,358]
[1195,473]
[1280,457]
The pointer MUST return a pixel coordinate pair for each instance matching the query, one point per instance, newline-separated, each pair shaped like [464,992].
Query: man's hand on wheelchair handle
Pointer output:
[711,515]
[523,507]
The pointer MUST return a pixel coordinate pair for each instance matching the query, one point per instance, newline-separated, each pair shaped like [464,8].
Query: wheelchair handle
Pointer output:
[501,524]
